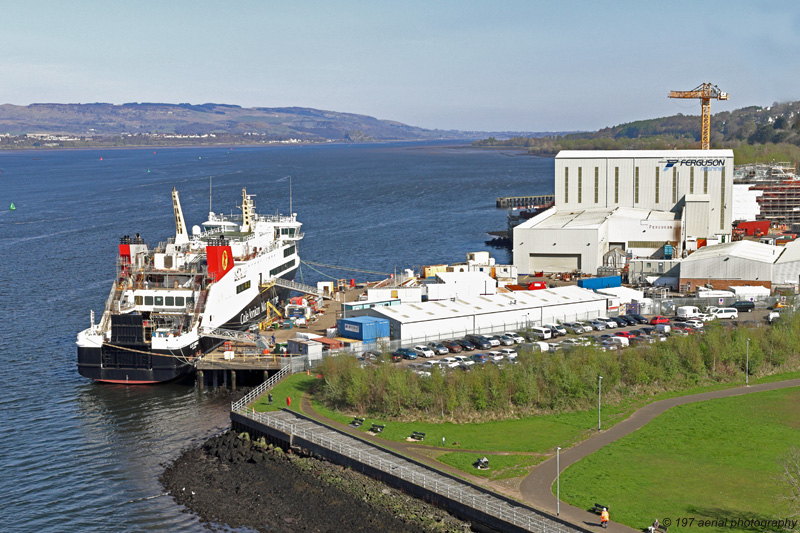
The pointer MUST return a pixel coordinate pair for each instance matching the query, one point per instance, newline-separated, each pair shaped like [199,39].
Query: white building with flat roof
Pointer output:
[637,201]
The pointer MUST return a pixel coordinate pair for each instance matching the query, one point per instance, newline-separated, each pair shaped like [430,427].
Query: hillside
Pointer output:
[755,133]
[147,123]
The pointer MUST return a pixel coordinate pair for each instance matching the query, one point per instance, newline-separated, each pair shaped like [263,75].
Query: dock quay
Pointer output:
[525,201]
[464,499]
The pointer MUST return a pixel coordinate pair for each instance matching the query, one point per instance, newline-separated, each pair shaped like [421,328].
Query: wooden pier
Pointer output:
[541,200]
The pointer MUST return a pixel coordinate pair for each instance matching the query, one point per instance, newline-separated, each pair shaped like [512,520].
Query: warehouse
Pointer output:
[421,322]
[730,264]
[633,200]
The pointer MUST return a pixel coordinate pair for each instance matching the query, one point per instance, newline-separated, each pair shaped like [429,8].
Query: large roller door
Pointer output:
[555,262]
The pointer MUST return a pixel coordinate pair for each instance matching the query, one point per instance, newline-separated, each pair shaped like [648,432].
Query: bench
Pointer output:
[378,428]
[662,528]
[482,464]
[357,422]
[598,508]
[416,435]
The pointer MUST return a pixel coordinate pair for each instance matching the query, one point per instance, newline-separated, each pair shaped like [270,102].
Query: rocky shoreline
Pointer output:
[235,482]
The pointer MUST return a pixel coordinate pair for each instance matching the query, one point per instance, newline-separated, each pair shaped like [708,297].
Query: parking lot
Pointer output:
[504,348]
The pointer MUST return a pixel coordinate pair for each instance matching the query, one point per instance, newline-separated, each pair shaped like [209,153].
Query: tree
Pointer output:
[790,476]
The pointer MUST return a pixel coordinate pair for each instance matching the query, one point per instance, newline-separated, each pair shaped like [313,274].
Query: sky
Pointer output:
[467,65]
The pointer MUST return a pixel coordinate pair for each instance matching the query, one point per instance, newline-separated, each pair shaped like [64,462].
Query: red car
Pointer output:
[659,320]
[626,334]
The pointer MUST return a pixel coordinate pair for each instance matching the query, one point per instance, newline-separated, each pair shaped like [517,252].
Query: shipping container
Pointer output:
[600,283]
[363,328]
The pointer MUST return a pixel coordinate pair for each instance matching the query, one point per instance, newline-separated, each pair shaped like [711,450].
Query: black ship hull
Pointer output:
[128,359]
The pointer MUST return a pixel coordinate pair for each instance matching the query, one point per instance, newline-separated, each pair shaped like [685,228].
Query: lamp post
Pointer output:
[599,391]
[747,366]
[558,481]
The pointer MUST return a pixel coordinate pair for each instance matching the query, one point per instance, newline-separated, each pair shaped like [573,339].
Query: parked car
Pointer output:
[479,341]
[726,312]
[450,362]
[508,352]
[406,353]
[423,351]
[554,346]
[573,342]
[479,358]
[639,318]
[453,346]
[396,357]
[465,344]
[629,320]
[743,306]
[619,321]
[625,334]
[575,327]
[502,340]
[607,321]
[494,355]
[659,320]
[636,332]
[607,346]
[599,325]
[460,358]
[540,333]
[587,327]
[438,348]
[648,330]
[558,328]
[519,339]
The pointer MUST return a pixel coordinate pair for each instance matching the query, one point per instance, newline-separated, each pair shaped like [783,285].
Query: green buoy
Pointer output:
[13,207]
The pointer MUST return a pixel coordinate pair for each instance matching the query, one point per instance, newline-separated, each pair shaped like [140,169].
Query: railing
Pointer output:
[229,334]
[239,406]
[299,287]
[525,518]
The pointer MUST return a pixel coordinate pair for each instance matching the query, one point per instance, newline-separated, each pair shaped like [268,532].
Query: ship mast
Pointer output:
[181,235]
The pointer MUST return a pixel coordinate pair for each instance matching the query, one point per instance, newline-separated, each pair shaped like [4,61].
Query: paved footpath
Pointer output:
[536,488]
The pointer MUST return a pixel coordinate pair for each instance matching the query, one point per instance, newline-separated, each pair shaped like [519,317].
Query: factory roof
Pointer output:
[753,251]
[593,218]
[495,303]
[643,154]
[791,253]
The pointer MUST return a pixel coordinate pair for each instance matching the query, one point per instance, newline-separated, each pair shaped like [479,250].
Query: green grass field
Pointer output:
[708,460]
[500,466]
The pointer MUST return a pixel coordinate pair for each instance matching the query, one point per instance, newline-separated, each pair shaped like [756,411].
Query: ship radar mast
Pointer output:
[181,235]
[248,210]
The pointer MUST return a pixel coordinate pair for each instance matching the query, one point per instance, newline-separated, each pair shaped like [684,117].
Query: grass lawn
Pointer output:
[500,466]
[708,460]
[293,387]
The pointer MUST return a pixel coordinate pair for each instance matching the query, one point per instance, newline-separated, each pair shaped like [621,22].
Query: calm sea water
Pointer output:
[76,455]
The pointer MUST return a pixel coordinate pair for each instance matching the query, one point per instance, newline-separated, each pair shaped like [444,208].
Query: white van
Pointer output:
[725,312]
[663,328]
[688,311]
[622,342]
[541,333]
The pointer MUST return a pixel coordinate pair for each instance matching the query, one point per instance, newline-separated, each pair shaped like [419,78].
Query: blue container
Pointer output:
[600,283]
[363,328]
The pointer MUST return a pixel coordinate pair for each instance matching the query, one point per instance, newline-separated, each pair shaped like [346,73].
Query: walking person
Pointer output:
[604,517]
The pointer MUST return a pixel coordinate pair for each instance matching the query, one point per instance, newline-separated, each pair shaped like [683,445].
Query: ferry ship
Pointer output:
[167,306]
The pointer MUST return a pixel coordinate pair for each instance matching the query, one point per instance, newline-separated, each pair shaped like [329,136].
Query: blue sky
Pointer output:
[490,66]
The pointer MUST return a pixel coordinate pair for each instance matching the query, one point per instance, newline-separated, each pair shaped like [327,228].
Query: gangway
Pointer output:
[229,334]
[300,287]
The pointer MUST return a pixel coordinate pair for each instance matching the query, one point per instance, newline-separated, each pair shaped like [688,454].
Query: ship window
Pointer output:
[148,300]
[159,300]
[169,300]
[137,300]
[167,261]
[179,301]
[288,251]
[190,302]
[242,287]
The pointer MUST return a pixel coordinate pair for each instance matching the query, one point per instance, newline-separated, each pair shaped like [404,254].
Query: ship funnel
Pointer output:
[181,235]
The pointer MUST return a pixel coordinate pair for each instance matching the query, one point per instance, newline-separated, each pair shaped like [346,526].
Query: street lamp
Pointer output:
[747,366]
[558,481]
[599,391]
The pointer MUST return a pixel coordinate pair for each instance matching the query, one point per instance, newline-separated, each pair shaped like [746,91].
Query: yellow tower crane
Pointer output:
[704,92]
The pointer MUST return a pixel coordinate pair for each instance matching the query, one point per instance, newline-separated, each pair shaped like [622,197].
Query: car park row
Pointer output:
[639,330]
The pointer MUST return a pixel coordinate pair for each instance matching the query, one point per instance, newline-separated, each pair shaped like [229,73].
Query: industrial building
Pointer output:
[646,203]
[425,321]
[741,263]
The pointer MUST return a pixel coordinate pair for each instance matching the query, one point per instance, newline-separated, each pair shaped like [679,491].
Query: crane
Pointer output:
[704,92]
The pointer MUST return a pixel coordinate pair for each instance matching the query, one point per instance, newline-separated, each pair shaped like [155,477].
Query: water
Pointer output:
[82,456]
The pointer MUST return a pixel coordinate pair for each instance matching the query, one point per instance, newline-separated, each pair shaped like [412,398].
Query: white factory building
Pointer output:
[490,314]
[631,200]
[741,263]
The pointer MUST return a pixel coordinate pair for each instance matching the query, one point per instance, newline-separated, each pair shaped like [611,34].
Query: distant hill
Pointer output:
[162,122]
[755,133]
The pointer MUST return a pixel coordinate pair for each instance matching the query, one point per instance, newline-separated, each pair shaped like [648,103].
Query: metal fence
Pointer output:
[446,487]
